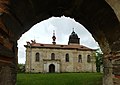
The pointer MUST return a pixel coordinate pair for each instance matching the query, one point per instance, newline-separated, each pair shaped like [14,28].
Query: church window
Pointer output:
[80,58]
[67,57]
[52,56]
[37,57]
[88,58]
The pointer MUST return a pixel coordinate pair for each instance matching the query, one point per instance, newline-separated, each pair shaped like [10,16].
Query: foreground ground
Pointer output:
[60,79]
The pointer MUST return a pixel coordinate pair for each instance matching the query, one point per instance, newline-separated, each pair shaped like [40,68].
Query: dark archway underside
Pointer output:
[18,16]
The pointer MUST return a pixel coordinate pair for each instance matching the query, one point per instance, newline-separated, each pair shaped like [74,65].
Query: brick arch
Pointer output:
[18,16]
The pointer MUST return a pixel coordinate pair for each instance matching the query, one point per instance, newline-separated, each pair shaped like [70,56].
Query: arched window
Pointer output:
[52,56]
[80,58]
[37,57]
[88,58]
[67,57]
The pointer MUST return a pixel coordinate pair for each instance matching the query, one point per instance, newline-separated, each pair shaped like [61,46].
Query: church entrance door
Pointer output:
[52,68]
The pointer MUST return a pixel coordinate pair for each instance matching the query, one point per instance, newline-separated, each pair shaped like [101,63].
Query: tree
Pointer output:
[99,60]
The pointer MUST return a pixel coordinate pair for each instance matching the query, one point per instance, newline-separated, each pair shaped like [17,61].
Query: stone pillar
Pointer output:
[116,69]
[45,68]
[8,65]
[107,76]
[7,74]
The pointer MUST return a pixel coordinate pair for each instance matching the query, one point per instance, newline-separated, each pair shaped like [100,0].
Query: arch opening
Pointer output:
[63,26]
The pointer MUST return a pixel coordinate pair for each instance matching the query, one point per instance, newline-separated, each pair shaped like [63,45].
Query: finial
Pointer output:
[53,32]
[73,29]
[73,32]
[54,38]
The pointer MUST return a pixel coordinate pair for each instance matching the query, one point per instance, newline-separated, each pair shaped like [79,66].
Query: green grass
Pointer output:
[60,79]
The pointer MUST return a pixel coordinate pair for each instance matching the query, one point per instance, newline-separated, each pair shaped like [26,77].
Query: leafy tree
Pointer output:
[99,60]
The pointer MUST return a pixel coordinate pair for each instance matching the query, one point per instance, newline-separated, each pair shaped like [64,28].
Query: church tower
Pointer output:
[73,38]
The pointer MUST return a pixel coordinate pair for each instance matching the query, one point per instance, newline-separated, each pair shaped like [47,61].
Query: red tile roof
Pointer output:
[58,46]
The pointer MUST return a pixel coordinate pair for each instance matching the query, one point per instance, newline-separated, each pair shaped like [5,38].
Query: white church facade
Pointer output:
[49,58]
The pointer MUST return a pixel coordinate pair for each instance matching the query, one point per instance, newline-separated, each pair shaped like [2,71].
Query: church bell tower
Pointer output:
[73,38]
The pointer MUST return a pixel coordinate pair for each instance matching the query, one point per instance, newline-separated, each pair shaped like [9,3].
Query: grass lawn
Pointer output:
[60,79]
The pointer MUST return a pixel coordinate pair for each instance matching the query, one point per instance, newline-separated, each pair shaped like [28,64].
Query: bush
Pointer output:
[21,68]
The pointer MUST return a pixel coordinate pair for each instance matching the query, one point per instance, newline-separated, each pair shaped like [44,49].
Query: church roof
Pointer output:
[58,46]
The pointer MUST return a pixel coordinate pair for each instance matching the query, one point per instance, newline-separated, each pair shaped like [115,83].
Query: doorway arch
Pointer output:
[16,17]
[51,68]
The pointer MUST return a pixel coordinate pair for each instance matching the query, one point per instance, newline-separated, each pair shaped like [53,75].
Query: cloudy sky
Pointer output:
[63,26]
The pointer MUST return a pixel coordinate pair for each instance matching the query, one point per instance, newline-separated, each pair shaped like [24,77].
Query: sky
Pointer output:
[42,32]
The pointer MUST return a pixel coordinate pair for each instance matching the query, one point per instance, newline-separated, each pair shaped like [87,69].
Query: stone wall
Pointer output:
[45,59]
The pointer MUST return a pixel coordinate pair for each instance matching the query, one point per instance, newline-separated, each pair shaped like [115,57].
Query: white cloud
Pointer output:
[43,31]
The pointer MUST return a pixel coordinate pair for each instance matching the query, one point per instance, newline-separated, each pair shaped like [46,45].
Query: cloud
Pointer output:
[43,32]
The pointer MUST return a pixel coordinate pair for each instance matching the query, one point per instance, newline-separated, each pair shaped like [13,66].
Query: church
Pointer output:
[50,58]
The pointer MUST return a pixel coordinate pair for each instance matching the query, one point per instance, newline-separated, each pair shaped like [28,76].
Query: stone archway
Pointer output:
[51,68]
[99,18]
